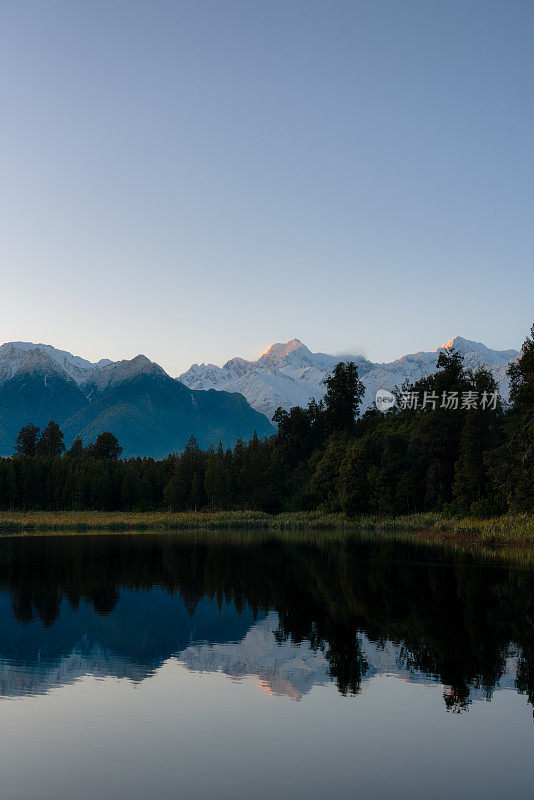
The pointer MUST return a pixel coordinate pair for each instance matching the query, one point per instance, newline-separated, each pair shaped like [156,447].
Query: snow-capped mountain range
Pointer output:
[24,357]
[149,412]
[153,414]
[289,374]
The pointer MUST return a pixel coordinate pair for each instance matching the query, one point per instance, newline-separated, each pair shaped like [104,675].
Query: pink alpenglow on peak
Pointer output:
[275,352]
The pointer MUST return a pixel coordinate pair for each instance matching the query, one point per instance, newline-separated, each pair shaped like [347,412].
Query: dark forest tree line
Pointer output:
[477,460]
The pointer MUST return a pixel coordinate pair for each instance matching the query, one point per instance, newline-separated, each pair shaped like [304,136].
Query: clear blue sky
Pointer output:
[195,180]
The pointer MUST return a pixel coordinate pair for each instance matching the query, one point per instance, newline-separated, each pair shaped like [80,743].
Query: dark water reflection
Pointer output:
[294,614]
[361,605]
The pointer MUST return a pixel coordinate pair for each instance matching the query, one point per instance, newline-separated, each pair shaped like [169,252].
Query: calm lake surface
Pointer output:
[254,666]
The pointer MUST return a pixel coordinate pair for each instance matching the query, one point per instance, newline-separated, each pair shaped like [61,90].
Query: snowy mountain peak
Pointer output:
[142,362]
[276,352]
[467,347]
[117,372]
[457,343]
[233,363]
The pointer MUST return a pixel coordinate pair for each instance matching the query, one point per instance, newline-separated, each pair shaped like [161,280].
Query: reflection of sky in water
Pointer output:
[199,735]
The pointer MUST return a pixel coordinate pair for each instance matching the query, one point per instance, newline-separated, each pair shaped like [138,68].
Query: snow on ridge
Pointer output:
[19,357]
[289,374]
[117,372]
[13,355]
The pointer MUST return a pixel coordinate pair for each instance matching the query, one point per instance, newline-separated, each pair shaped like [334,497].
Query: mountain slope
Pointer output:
[289,374]
[37,391]
[151,413]
[115,373]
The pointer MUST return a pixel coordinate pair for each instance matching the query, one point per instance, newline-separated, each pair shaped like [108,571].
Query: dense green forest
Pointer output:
[449,444]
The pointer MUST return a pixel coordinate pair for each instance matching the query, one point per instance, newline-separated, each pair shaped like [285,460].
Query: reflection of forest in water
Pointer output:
[450,615]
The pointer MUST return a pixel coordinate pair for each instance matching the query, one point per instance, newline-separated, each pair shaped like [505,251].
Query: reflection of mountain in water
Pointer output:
[146,628]
[282,667]
[293,669]
[292,613]
[142,631]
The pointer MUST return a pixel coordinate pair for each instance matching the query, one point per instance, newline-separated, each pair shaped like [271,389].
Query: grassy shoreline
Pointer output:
[506,530]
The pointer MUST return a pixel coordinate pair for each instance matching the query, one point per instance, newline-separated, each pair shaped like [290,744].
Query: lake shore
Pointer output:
[507,530]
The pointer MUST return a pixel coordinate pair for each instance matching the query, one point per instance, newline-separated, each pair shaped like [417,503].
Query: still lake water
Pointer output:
[254,666]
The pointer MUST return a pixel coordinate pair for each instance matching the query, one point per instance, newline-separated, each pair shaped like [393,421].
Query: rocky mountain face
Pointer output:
[289,374]
[151,413]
